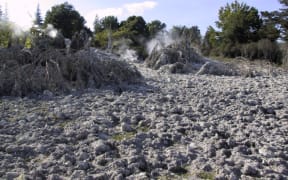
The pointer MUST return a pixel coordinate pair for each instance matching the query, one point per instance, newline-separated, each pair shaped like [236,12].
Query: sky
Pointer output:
[202,13]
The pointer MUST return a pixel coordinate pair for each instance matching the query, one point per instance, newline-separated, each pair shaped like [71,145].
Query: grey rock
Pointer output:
[12,175]
[125,127]
[54,177]
[78,174]
[100,147]
[101,176]
[83,165]
[250,170]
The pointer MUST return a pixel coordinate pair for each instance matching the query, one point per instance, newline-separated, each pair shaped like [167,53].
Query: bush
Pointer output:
[263,49]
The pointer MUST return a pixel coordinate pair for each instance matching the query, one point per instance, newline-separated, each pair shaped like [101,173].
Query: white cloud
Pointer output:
[139,8]
[23,12]
[90,17]
[120,12]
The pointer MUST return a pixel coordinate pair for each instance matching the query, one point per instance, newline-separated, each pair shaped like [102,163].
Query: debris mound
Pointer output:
[173,53]
[181,58]
[24,71]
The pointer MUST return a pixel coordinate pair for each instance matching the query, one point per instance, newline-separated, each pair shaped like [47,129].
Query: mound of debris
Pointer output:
[181,58]
[23,71]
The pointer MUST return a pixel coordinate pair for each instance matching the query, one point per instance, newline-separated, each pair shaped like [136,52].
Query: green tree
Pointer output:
[1,13]
[210,44]
[5,16]
[154,27]
[38,18]
[136,26]
[5,34]
[65,18]
[110,22]
[98,27]
[191,36]
[281,18]
[239,23]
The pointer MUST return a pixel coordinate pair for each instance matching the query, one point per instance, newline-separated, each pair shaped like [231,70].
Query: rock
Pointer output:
[78,174]
[216,68]
[250,170]
[137,118]
[125,127]
[268,110]
[84,165]
[20,151]
[12,175]
[177,169]
[100,147]
[140,176]
[54,177]
[48,93]
[211,151]
[101,176]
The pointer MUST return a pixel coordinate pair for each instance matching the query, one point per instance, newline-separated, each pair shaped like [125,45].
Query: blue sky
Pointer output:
[173,12]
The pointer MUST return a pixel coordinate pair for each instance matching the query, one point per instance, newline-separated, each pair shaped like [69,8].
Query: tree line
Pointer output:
[241,30]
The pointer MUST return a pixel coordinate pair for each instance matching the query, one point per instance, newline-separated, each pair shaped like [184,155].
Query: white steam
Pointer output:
[162,40]
[130,55]
[126,53]
[51,31]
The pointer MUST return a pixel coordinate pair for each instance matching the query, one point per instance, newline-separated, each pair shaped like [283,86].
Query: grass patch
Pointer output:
[183,174]
[206,175]
[123,136]
[143,129]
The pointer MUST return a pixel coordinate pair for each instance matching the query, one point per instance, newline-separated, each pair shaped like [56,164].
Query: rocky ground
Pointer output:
[172,127]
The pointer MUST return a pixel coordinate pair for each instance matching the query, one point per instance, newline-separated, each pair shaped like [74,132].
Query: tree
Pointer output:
[136,26]
[190,36]
[239,23]
[210,44]
[110,22]
[5,16]
[65,18]
[154,27]
[269,28]
[1,13]
[281,18]
[38,18]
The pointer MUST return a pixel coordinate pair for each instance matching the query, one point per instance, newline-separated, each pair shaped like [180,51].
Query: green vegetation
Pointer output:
[241,31]
[66,19]
[123,136]
[206,175]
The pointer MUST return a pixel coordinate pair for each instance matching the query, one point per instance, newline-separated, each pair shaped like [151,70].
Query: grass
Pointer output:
[123,136]
[128,135]
[180,176]
[143,129]
[206,175]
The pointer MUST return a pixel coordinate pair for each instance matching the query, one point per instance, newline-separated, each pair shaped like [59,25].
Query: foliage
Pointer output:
[243,32]
[269,28]
[136,25]
[65,18]
[239,23]
[280,19]
[206,175]
[1,13]
[155,27]
[5,34]
[263,49]
[38,18]
[189,36]
[210,44]
[134,31]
